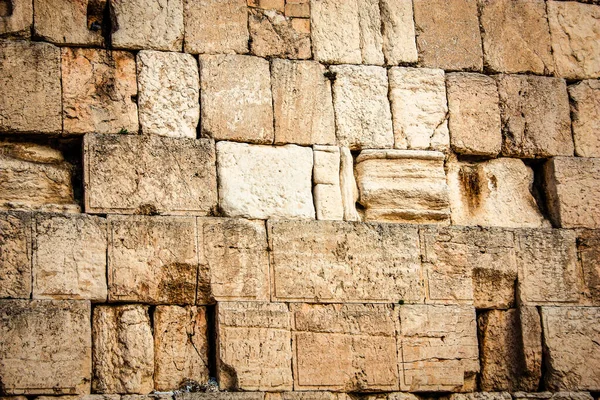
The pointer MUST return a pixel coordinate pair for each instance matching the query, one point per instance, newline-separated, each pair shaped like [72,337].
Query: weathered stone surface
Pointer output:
[326,177]
[264,182]
[15,255]
[226,396]
[397,396]
[30,81]
[328,202]
[69,22]
[348,185]
[152,260]
[169,93]
[588,253]
[403,186]
[398,30]
[273,35]
[98,86]
[254,346]
[553,396]
[303,104]
[345,347]
[146,174]
[535,116]
[45,347]
[474,114]
[16,19]
[335,31]
[481,396]
[344,262]
[419,108]
[216,26]
[585,113]
[69,257]
[123,350]
[235,97]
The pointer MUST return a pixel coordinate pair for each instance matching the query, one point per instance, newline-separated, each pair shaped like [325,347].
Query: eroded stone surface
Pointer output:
[326,177]
[588,252]
[585,113]
[273,35]
[335,31]
[18,21]
[69,22]
[481,396]
[15,255]
[224,396]
[348,185]
[398,29]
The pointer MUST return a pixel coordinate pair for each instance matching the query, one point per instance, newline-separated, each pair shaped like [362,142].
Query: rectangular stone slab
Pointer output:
[15,255]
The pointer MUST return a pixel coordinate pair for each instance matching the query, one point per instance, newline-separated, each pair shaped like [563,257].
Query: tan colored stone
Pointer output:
[69,22]
[273,35]
[149,174]
[588,254]
[299,10]
[15,255]
[224,396]
[309,395]
[328,202]
[553,396]
[301,25]
[481,396]
[123,350]
[16,18]
[371,38]
[94,397]
[45,347]
[326,177]
[278,5]
[585,113]
[397,396]
[348,185]
[335,31]
[398,29]
[151,396]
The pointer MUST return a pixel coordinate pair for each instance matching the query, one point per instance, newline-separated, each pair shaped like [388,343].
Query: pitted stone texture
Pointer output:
[15,255]
[588,252]
[45,347]
[437,346]
[261,182]
[335,31]
[30,81]
[152,260]
[273,35]
[448,34]
[349,347]
[362,110]
[19,20]
[571,340]
[169,93]
[235,97]
[254,347]
[419,109]
[69,257]
[403,186]
[149,174]
[68,22]
[233,396]
[308,395]
[535,116]
[396,396]
[123,350]
[98,86]
[585,113]
[398,29]
[216,26]
[338,262]
[474,114]
[480,396]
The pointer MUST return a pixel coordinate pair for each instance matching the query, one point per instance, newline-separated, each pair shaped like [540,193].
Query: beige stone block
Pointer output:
[348,185]
[30,81]
[370,26]
[98,91]
[588,253]
[235,98]
[301,25]
[151,396]
[272,34]
[335,31]
[123,350]
[481,396]
[225,395]
[68,22]
[298,10]
[278,5]
[46,347]
[16,18]
[69,257]
[339,262]
[15,255]
[403,186]
[398,30]
[553,396]
[396,396]
[585,114]
[328,202]
[152,260]
[145,174]
[308,395]
[474,120]
[326,165]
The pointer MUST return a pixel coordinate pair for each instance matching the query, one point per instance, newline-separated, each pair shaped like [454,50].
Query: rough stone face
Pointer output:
[585,112]
[535,116]
[228,396]
[397,396]
[169,93]
[30,81]
[398,31]
[17,20]
[481,396]
[45,347]
[474,114]
[261,182]
[123,350]
[348,185]
[335,262]
[588,252]
[273,35]
[15,255]
[419,108]
[328,202]
[235,97]
[69,257]
[326,177]
[362,110]
[69,22]
[145,174]
[335,31]
[98,86]
[403,186]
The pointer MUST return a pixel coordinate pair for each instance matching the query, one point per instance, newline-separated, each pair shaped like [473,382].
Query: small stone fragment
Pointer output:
[15,255]
[272,34]
[16,18]
[585,112]
[68,22]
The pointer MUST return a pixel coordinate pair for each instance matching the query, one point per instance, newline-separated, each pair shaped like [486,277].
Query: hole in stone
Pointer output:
[95,13]
[6,8]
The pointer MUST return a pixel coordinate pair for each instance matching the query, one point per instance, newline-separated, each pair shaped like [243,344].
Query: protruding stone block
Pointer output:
[69,22]
[585,112]
[588,253]
[335,31]
[16,19]
[273,35]
[15,255]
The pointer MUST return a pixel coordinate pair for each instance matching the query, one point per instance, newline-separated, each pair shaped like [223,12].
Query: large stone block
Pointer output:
[588,253]
[481,396]
[226,395]
[69,22]
[335,31]
[45,347]
[16,18]
[585,112]
[274,35]
[15,255]
[398,30]
[149,174]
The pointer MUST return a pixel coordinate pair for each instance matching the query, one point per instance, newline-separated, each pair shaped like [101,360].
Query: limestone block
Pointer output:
[474,114]
[169,93]
[152,260]
[309,395]
[235,98]
[588,253]
[180,346]
[147,24]
[570,336]
[493,193]
[348,185]
[45,347]
[349,347]
[216,26]
[303,104]
[273,35]
[338,262]
[397,396]
[575,29]
[123,350]
[225,396]
[261,182]
[326,165]
[335,31]
[145,174]
[585,112]
[573,191]
[398,29]
[151,396]
[69,257]
[448,34]
[254,347]
[437,346]
[68,22]
[99,87]
[419,108]
[16,18]
[552,396]
[535,116]
[30,81]
[362,111]
[328,202]
[15,255]
[481,396]
[403,186]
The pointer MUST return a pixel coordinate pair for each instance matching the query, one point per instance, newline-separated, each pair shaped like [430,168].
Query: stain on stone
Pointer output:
[147,209]
[470,180]
[6,8]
